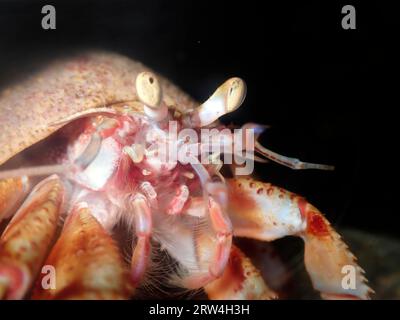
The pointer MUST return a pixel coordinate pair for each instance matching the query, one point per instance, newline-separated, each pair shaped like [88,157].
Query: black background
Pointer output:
[329,94]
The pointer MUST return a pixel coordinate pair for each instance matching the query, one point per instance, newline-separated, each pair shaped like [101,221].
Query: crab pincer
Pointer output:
[264,212]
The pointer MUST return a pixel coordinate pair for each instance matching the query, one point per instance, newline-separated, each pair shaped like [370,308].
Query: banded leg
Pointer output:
[26,240]
[264,212]
[86,261]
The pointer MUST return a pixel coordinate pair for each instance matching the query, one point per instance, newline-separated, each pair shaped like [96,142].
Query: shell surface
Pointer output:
[67,87]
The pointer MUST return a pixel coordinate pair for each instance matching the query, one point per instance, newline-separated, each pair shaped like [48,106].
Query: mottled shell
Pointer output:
[67,87]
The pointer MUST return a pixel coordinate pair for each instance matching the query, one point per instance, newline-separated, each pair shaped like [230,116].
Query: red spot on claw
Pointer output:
[317,225]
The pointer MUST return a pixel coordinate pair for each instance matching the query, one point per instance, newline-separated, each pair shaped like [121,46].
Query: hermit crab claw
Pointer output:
[149,92]
[227,98]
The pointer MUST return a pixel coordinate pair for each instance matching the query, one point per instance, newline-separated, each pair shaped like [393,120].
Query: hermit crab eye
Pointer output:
[148,89]
[236,92]
[227,98]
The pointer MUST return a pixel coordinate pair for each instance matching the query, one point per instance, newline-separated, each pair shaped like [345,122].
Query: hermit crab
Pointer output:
[81,151]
